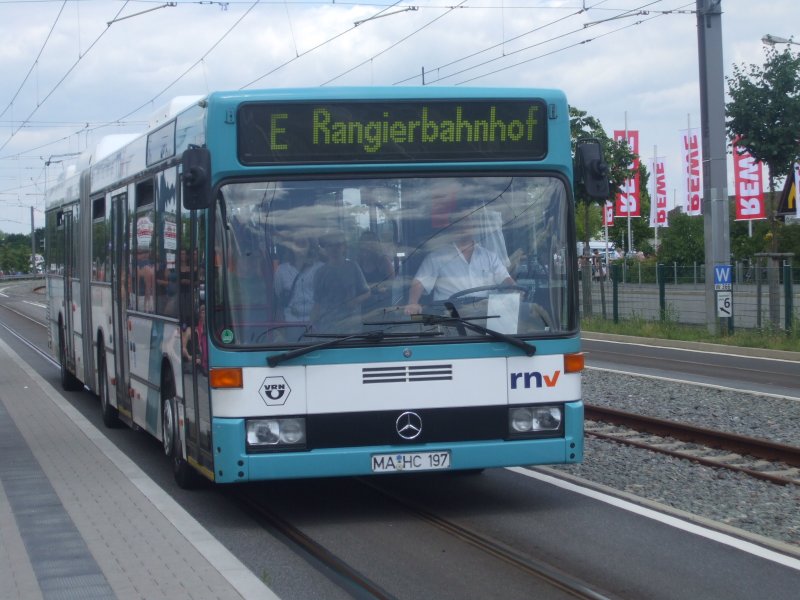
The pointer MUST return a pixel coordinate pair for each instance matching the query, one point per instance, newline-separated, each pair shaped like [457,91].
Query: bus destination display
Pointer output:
[399,131]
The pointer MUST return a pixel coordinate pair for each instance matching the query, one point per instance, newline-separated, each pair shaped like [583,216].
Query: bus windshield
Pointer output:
[301,261]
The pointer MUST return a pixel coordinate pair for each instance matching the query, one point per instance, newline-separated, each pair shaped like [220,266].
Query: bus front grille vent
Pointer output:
[407,374]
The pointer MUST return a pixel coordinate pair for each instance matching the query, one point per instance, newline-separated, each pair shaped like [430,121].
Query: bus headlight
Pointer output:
[532,420]
[271,433]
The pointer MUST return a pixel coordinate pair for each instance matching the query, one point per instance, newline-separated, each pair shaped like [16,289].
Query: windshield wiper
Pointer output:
[462,324]
[372,336]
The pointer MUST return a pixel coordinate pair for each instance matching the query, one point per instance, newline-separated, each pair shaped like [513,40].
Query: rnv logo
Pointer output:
[534,379]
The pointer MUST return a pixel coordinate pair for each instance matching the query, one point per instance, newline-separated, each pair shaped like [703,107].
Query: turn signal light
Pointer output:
[574,363]
[226,378]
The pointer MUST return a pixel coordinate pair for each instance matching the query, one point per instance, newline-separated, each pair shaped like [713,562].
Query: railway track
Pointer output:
[550,580]
[538,569]
[346,577]
[777,463]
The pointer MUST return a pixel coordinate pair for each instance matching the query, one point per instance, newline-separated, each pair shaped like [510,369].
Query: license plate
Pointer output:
[410,461]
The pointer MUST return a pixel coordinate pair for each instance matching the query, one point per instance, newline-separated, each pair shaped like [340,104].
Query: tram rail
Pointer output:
[540,570]
[762,459]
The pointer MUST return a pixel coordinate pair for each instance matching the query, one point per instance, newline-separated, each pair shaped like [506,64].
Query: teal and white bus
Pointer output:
[276,284]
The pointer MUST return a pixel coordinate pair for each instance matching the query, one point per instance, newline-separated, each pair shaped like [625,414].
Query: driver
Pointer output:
[460,265]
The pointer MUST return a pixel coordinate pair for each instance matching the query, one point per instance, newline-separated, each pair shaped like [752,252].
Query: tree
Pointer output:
[683,242]
[765,112]
[15,251]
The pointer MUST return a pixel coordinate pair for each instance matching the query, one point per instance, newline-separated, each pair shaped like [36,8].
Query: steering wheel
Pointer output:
[499,287]
[256,339]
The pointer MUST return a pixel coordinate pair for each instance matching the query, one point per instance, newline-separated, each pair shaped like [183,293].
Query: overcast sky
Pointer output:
[69,78]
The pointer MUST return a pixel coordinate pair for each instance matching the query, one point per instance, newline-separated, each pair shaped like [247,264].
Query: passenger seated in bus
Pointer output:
[294,280]
[339,288]
[376,264]
[459,265]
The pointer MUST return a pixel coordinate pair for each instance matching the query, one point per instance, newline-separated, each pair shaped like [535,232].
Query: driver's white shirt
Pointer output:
[446,271]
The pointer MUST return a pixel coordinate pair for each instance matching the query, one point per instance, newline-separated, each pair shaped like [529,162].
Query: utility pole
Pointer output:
[715,166]
[33,244]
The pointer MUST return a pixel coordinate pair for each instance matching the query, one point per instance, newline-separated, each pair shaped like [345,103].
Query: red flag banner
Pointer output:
[693,192]
[608,214]
[796,168]
[628,203]
[659,202]
[748,179]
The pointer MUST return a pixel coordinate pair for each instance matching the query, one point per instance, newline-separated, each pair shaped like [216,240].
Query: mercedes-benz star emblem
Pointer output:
[409,425]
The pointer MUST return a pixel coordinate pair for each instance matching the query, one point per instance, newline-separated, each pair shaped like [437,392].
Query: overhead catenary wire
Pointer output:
[499,44]
[310,50]
[35,60]
[59,82]
[145,104]
[121,120]
[200,60]
[506,54]
[194,64]
[298,55]
[395,44]
[580,43]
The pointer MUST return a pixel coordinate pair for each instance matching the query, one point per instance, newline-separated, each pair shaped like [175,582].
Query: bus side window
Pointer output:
[144,238]
[167,228]
[100,240]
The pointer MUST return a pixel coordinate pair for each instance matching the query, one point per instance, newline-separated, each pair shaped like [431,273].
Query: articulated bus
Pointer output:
[329,282]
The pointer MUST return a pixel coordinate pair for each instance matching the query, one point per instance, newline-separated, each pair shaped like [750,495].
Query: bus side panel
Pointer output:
[144,384]
[152,341]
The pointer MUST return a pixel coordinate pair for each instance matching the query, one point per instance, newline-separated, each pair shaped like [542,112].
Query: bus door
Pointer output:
[69,274]
[120,281]
[197,400]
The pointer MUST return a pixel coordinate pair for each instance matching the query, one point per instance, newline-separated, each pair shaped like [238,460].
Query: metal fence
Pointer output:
[20,277]
[763,297]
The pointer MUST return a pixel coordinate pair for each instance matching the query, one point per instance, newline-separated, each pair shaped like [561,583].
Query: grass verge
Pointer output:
[669,330]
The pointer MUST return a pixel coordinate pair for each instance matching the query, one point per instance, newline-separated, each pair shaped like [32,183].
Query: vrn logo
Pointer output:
[534,379]
[274,391]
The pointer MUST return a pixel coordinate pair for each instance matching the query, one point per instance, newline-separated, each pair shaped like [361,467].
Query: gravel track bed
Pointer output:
[765,417]
[724,496]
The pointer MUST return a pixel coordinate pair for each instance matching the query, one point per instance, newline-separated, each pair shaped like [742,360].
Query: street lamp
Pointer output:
[771,40]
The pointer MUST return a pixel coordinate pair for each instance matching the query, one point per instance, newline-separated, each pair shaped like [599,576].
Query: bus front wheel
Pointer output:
[185,475]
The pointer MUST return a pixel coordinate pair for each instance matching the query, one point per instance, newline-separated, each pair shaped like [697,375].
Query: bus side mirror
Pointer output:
[592,169]
[196,178]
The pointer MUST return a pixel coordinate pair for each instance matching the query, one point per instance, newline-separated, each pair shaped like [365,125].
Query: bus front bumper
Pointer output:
[233,464]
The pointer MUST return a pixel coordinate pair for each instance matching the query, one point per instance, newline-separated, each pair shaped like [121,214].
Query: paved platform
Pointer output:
[78,519]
